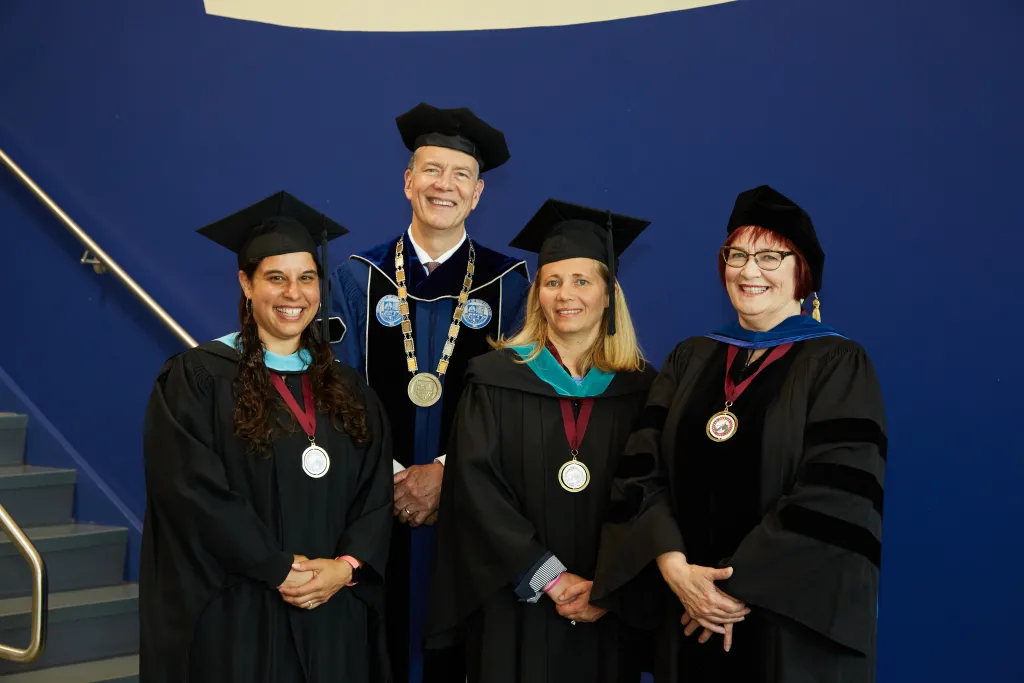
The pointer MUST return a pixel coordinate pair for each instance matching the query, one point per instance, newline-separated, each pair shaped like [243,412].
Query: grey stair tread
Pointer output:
[77,557]
[36,496]
[83,626]
[13,432]
[116,669]
[69,604]
[27,476]
[57,537]
[15,469]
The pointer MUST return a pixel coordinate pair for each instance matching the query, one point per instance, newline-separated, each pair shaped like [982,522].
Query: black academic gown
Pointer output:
[222,526]
[793,502]
[502,508]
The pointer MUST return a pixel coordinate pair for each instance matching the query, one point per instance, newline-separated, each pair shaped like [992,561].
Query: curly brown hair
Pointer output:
[257,400]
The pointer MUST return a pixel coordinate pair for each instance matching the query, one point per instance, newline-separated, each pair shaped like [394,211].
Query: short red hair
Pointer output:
[802,273]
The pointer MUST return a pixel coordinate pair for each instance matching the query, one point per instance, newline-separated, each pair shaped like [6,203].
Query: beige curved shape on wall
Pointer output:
[440,15]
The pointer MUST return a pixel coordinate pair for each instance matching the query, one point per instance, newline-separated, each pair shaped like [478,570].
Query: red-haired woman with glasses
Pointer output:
[754,479]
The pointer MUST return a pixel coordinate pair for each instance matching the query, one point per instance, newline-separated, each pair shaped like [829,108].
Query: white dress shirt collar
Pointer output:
[425,258]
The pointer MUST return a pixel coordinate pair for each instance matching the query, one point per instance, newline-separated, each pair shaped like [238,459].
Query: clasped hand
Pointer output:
[572,599]
[311,583]
[706,605]
[417,494]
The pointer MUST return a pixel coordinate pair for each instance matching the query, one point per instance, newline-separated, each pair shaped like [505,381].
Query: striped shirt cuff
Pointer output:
[542,573]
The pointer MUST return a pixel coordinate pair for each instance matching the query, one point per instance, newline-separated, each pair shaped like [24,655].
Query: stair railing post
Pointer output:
[39,594]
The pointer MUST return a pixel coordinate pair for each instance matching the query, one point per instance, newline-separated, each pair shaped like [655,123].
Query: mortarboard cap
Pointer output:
[459,129]
[279,224]
[560,230]
[769,209]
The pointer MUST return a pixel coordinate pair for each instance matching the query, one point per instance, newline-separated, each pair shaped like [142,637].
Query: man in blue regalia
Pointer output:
[415,310]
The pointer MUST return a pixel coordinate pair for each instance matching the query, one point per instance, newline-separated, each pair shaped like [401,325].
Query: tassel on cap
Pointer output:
[612,263]
[816,313]
[324,284]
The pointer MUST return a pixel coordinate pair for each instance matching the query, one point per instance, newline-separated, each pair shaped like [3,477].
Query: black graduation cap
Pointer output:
[767,208]
[279,224]
[459,129]
[560,230]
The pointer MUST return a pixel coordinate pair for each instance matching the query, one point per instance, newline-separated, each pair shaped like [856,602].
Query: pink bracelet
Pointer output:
[352,561]
[553,583]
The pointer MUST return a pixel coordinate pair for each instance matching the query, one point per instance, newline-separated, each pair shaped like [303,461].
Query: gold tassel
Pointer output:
[816,313]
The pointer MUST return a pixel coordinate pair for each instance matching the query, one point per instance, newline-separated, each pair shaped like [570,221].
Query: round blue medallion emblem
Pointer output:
[476,314]
[387,311]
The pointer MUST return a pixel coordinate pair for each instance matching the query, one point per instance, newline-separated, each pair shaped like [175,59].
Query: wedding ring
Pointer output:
[309,605]
[407,513]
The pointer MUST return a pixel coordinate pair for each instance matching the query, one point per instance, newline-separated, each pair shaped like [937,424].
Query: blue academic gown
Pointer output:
[364,296]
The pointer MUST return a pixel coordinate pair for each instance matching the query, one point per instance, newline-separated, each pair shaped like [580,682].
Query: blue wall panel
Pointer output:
[895,122]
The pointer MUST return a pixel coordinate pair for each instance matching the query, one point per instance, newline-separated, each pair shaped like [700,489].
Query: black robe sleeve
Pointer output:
[493,544]
[640,524]
[185,478]
[815,556]
[367,535]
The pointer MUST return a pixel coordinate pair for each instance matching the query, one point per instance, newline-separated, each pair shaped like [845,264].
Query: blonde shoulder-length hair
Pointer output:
[619,352]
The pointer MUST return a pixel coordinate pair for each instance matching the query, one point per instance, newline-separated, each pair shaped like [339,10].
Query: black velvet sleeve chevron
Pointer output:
[815,557]
[640,524]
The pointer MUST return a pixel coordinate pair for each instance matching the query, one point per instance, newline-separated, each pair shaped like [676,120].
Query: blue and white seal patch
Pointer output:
[476,314]
[387,311]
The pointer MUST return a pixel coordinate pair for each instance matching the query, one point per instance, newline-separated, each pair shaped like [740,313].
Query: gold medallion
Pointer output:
[574,476]
[722,426]
[424,389]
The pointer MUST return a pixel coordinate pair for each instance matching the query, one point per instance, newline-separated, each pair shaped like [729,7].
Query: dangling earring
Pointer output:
[816,313]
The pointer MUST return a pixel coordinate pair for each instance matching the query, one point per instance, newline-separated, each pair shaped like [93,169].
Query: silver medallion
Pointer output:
[722,426]
[574,476]
[315,461]
[424,389]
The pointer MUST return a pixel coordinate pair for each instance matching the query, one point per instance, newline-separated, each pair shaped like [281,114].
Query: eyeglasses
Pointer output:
[767,259]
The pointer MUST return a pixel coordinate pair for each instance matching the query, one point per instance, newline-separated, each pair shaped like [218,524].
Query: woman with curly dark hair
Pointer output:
[269,483]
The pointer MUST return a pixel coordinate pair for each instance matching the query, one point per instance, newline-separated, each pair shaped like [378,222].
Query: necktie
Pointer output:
[430,266]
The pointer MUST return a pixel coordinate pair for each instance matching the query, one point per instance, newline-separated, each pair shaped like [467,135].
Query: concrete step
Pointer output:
[84,626]
[77,556]
[115,670]
[12,438]
[36,496]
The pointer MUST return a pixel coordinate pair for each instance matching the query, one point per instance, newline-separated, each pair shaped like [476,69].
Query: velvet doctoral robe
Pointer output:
[793,502]
[364,295]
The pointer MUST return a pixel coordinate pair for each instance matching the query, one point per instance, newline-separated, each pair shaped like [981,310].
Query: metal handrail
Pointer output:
[39,594]
[100,255]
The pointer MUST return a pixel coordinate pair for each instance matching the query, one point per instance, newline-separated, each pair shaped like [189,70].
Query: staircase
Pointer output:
[93,624]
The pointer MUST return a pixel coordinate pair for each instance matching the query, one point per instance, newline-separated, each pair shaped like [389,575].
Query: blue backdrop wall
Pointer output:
[896,123]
